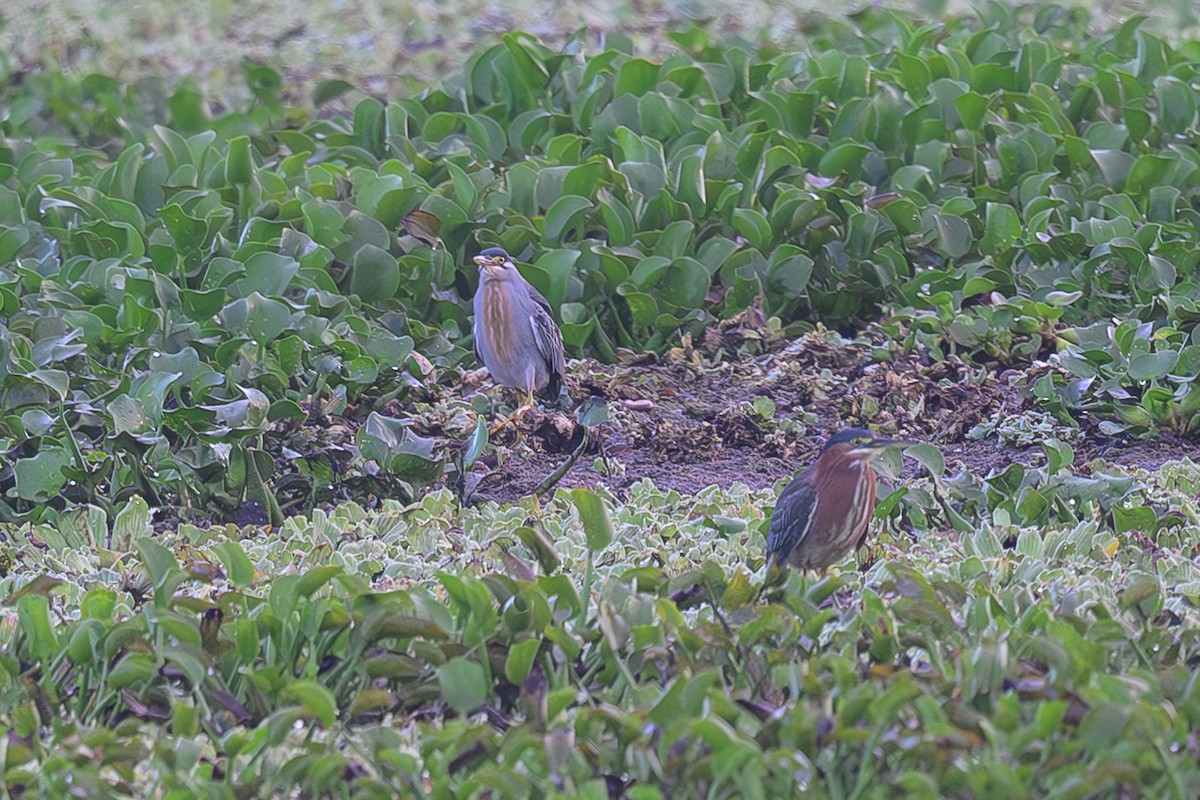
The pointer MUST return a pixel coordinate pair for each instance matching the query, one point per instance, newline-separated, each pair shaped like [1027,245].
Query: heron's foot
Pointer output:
[514,417]
[511,420]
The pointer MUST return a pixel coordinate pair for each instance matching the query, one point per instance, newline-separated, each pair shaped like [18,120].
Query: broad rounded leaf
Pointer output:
[375,274]
[40,477]
[464,684]
[562,217]
[316,700]
[597,525]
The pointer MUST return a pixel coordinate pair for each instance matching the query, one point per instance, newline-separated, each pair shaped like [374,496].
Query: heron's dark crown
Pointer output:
[492,252]
[847,436]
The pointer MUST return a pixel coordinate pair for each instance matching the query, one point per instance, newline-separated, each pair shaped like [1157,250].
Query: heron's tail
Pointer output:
[553,388]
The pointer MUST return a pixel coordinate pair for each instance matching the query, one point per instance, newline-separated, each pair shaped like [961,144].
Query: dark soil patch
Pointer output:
[1147,454]
[699,428]
[697,417]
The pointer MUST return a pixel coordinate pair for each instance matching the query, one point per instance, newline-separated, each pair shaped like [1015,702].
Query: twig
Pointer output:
[603,456]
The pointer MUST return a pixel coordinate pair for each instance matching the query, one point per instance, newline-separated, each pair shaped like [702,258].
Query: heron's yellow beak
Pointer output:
[878,445]
[488,263]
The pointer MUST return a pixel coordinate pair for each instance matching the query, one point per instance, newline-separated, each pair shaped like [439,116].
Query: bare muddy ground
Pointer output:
[688,419]
[699,416]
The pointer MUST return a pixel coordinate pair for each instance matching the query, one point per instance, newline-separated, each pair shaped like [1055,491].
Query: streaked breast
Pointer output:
[497,318]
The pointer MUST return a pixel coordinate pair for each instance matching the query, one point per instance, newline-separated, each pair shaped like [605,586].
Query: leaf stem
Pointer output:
[556,476]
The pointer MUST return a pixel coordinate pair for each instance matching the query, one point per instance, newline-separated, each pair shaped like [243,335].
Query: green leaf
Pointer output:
[375,274]
[541,547]
[684,699]
[928,456]
[915,74]
[266,319]
[317,578]
[55,380]
[644,178]
[130,524]
[592,411]
[519,662]
[262,318]
[953,235]
[41,477]
[1147,172]
[464,684]
[789,274]
[33,615]
[129,416]
[685,283]
[754,227]
[1115,166]
[551,273]
[330,90]
[387,198]
[98,604]
[597,525]
[1140,591]
[237,564]
[239,164]
[1176,104]
[162,568]
[133,669]
[268,274]
[843,158]
[1141,519]
[1103,727]
[567,213]
[316,700]
[971,108]
[636,76]
[390,443]
[1003,228]
[81,648]
[476,443]
[1152,366]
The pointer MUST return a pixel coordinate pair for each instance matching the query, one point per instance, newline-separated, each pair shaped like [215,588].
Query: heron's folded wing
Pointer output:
[792,518]
[547,335]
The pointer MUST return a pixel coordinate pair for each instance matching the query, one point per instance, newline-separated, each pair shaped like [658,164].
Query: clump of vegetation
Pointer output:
[1025,430]
[190,304]
[429,649]
[253,315]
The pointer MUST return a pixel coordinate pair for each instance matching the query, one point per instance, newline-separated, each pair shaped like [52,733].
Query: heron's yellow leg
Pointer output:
[515,417]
